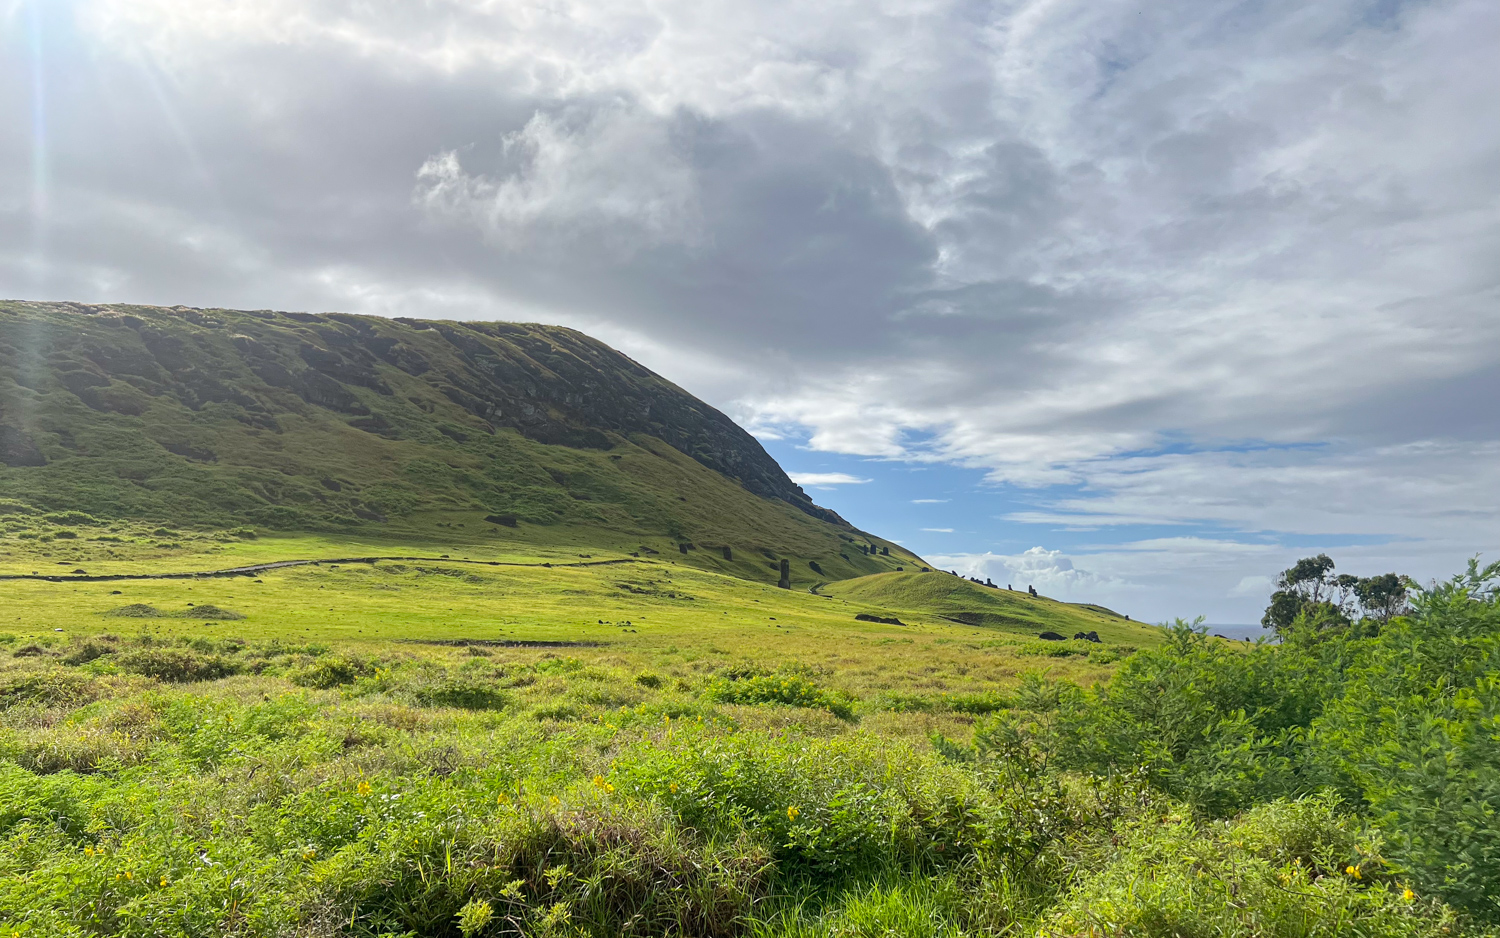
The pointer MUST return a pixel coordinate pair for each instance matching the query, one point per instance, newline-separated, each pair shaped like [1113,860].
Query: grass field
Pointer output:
[633,612]
[432,747]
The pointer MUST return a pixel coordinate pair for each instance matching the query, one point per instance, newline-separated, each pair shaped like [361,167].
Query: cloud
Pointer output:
[1252,586]
[930,501]
[1208,267]
[570,176]
[1050,571]
[826,478]
[939,530]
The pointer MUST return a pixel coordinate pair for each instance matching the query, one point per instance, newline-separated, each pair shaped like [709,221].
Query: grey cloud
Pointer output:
[1042,237]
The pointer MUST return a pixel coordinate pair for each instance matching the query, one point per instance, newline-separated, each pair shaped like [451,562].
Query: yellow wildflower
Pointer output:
[1353,871]
[163,880]
[598,781]
[672,787]
[1407,894]
[363,787]
[503,798]
[791,813]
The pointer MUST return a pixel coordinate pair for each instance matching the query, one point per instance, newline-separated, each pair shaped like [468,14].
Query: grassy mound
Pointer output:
[207,611]
[957,598]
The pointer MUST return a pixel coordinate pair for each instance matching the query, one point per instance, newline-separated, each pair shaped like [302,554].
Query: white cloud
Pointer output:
[939,530]
[1050,571]
[826,478]
[1198,264]
[1257,586]
[930,501]
[571,176]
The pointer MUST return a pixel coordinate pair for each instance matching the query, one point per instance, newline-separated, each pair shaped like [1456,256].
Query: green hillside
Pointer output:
[414,432]
[961,600]
[328,625]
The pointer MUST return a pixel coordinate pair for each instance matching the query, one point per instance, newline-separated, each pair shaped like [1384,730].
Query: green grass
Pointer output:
[176,787]
[362,754]
[942,594]
[654,613]
[565,725]
[193,421]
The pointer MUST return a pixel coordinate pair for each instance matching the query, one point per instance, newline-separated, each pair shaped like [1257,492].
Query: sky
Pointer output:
[1136,303]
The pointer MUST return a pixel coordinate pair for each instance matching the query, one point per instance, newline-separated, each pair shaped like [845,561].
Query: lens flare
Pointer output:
[40,183]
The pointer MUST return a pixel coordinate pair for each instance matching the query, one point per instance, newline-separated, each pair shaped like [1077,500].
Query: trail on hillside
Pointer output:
[253,569]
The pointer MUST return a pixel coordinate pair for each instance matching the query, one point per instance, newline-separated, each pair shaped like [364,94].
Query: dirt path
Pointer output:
[254,569]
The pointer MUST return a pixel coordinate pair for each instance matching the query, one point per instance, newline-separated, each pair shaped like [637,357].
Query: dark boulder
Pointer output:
[1051,637]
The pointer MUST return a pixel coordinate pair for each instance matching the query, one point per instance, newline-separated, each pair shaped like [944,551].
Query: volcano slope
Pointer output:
[397,430]
[144,441]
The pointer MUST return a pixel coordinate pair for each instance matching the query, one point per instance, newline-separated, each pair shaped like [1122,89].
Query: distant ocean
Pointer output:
[1251,632]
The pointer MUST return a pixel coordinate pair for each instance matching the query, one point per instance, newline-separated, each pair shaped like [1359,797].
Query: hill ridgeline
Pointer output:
[332,422]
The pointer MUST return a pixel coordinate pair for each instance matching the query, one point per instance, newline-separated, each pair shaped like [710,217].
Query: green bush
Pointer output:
[1415,736]
[177,665]
[1287,868]
[1213,724]
[46,688]
[789,688]
[330,671]
[464,693]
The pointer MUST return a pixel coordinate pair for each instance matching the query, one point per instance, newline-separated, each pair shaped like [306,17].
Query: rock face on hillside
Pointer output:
[551,384]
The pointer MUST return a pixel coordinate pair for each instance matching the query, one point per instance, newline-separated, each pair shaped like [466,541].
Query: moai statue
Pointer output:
[682,547]
[728,554]
[885,551]
[1031,589]
[786,575]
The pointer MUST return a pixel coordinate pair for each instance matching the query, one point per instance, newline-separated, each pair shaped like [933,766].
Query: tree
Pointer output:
[1382,597]
[1308,589]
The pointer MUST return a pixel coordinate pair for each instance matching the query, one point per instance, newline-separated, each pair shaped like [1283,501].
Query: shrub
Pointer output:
[789,689]
[47,688]
[1414,736]
[330,671]
[1286,868]
[1208,722]
[88,650]
[81,749]
[177,665]
[463,693]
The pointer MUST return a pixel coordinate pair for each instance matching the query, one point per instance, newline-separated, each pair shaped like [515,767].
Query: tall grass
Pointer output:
[315,792]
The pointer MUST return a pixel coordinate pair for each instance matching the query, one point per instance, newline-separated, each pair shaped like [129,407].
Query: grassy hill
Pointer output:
[324,625]
[415,432]
[958,599]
